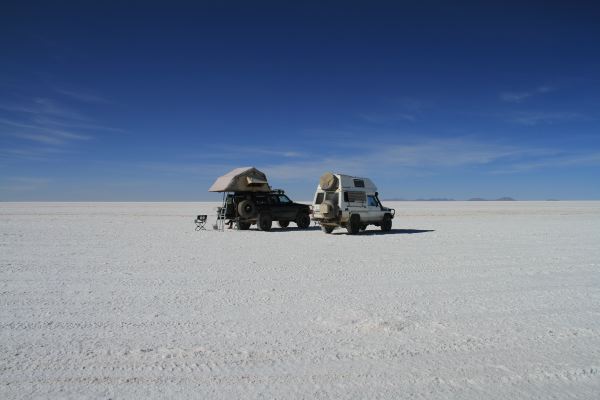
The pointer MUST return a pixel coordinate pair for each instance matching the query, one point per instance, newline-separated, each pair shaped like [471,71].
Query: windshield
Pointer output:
[283,199]
[372,201]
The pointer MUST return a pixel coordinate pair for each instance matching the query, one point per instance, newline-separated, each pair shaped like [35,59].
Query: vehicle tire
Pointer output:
[327,229]
[354,224]
[303,221]
[246,209]
[386,223]
[264,222]
[242,226]
[283,224]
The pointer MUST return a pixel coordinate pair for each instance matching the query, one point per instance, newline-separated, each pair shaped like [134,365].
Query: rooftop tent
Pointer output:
[245,179]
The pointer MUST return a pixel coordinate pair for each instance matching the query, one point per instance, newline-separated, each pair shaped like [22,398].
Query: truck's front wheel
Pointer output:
[386,223]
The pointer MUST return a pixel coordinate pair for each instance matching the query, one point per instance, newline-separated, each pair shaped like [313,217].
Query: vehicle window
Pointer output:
[273,200]
[355,197]
[333,196]
[319,198]
[372,201]
[359,183]
[283,199]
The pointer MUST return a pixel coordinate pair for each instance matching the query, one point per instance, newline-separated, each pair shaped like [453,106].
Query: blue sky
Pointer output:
[153,101]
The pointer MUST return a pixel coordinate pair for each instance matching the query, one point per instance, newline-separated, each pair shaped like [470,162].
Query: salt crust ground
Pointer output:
[126,300]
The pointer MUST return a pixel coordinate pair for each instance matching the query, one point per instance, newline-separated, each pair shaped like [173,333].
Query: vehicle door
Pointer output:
[287,209]
[356,203]
[374,208]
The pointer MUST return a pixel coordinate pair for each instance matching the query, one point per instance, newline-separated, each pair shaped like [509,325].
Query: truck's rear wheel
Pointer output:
[386,223]
[283,224]
[264,222]
[354,224]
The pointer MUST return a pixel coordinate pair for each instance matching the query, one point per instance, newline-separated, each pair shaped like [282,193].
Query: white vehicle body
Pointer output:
[340,197]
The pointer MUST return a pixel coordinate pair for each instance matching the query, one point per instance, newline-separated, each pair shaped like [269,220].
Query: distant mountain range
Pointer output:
[445,199]
[500,199]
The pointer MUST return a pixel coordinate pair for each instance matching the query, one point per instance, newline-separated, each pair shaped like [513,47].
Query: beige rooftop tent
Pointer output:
[245,179]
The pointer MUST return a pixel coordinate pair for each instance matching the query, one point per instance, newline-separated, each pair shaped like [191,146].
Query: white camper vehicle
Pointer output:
[350,202]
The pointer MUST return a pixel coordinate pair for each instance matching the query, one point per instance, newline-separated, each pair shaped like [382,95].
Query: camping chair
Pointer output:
[200,222]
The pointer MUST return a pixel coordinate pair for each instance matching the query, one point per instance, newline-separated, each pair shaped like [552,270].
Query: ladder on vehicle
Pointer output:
[221,214]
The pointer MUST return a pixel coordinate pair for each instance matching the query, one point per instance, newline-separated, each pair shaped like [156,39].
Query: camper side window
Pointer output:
[354,197]
[319,198]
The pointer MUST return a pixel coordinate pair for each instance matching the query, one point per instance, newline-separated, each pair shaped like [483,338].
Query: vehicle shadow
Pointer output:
[293,229]
[391,232]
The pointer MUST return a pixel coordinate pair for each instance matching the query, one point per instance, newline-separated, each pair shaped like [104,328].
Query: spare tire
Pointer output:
[328,181]
[246,209]
[328,209]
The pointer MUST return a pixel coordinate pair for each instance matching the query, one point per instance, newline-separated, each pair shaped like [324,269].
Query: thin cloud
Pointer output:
[240,152]
[23,184]
[411,104]
[513,97]
[199,169]
[36,137]
[82,96]
[35,153]
[388,118]
[40,129]
[545,89]
[51,107]
[519,97]
[76,125]
[558,161]
[536,118]
[51,135]
[410,158]
[402,109]
[41,106]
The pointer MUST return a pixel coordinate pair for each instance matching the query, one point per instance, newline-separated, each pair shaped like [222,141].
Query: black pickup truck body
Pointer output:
[262,208]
